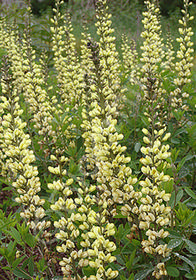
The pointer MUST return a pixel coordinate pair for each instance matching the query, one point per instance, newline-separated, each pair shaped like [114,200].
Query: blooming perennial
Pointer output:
[81,221]
[34,91]
[69,72]
[9,40]
[18,158]
[28,78]
[108,55]
[184,64]
[148,207]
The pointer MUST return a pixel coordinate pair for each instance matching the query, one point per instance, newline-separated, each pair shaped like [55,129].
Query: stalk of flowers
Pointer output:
[81,222]
[152,56]
[152,49]
[130,60]
[153,214]
[34,93]
[28,79]
[101,246]
[10,42]
[184,64]
[105,157]
[169,54]
[86,65]
[148,208]
[104,154]
[108,55]
[69,72]
[73,258]
[89,77]
[72,216]
[106,161]
[18,159]
[97,231]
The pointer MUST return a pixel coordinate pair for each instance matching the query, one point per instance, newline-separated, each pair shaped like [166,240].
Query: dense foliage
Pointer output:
[97,150]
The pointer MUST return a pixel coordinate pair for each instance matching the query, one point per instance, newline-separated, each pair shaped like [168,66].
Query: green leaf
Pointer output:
[130,260]
[185,260]
[175,140]
[31,266]
[120,260]
[172,271]
[168,186]
[21,273]
[11,246]
[190,276]
[173,202]
[143,274]
[179,195]
[190,192]
[29,239]
[174,234]
[131,277]
[5,225]
[174,243]
[17,261]
[16,235]
[182,162]
[41,265]
[190,219]
[87,271]
[191,246]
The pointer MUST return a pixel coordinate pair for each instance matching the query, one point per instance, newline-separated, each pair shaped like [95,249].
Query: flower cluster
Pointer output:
[147,207]
[153,214]
[34,93]
[152,56]
[81,221]
[69,72]
[10,42]
[18,158]
[130,60]
[69,232]
[108,55]
[169,54]
[152,49]
[184,64]
[27,78]
[103,151]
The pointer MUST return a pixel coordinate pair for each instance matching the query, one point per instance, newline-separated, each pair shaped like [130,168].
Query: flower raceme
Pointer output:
[185,60]
[82,222]
[69,73]
[153,213]
[18,158]
[130,60]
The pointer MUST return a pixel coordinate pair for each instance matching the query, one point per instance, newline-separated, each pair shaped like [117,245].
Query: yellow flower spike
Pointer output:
[130,58]
[151,211]
[184,64]
[15,142]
